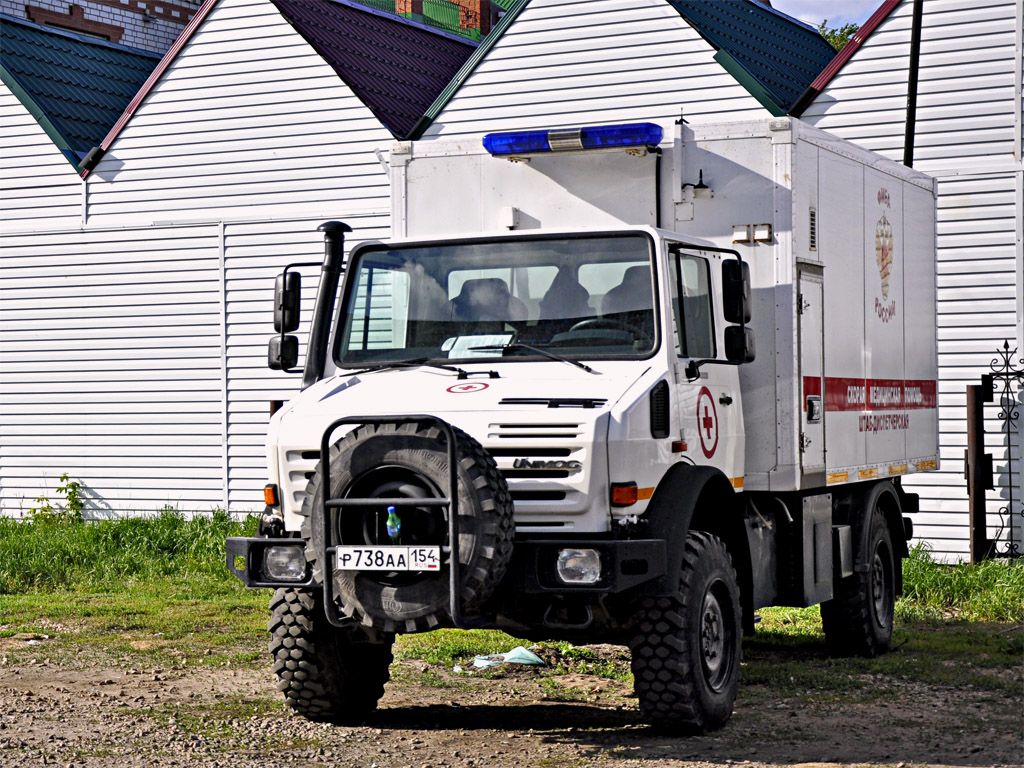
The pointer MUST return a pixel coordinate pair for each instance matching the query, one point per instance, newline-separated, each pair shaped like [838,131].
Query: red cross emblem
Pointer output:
[467,387]
[707,422]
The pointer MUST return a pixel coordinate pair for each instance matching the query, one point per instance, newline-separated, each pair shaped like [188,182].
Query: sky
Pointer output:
[838,12]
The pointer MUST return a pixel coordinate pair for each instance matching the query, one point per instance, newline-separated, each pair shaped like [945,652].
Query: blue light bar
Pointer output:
[630,135]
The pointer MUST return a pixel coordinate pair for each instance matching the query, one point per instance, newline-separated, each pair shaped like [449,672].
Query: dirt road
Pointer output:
[87,711]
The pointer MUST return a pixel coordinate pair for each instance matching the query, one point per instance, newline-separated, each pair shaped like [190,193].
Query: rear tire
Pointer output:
[686,649]
[858,621]
[326,673]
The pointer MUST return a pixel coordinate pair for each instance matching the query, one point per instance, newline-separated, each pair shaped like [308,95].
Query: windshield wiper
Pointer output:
[542,352]
[414,363]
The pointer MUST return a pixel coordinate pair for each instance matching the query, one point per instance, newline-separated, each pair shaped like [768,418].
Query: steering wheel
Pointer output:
[597,323]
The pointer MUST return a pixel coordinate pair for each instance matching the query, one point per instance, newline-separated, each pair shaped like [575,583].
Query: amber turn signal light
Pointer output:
[270,495]
[624,494]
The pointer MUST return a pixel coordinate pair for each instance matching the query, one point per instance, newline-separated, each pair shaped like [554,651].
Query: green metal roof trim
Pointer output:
[774,56]
[76,87]
[748,81]
[467,69]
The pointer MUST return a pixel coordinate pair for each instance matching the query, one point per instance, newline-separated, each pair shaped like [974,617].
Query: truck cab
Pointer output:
[584,362]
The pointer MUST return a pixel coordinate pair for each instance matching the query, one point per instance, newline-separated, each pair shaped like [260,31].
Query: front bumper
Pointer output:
[624,564]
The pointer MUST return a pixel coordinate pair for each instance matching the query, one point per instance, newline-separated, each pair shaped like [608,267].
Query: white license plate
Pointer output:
[389,558]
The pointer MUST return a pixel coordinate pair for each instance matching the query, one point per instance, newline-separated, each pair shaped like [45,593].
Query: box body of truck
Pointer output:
[841,247]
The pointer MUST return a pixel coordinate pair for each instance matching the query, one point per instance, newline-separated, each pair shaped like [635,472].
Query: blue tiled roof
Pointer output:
[773,55]
[75,86]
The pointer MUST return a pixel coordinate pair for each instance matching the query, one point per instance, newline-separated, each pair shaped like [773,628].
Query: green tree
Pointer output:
[838,36]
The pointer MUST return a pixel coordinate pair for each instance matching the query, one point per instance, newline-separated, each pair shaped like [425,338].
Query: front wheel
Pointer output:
[686,649]
[858,621]
[334,674]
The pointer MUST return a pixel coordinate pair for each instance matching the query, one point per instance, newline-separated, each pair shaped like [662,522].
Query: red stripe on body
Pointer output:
[847,394]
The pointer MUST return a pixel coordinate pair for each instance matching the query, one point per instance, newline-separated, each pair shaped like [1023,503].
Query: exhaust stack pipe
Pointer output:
[330,276]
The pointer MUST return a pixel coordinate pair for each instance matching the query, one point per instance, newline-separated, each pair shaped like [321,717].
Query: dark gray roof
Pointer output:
[397,68]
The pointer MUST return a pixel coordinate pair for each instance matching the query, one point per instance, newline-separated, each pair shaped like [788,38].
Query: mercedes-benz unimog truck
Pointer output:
[615,384]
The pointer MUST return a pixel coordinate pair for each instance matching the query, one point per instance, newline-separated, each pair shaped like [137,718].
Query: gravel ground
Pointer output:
[85,711]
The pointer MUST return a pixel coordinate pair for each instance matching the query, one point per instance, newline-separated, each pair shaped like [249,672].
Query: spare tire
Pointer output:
[410,460]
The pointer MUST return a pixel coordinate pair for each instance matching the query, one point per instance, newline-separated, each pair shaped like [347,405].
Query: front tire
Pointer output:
[686,649]
[326,673]
[858,621]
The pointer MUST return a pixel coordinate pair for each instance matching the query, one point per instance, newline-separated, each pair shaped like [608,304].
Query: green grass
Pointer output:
[160,584]
[58,553]
[992,590]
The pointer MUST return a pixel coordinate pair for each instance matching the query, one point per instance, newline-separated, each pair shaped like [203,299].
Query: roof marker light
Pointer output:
[595,137]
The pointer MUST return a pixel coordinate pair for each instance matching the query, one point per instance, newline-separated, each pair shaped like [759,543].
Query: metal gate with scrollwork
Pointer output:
[1006,382]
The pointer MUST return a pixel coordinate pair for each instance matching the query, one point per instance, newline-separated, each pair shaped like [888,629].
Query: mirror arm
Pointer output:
[693,367]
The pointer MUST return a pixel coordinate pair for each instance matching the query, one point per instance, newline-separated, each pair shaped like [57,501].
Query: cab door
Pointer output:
[708,408]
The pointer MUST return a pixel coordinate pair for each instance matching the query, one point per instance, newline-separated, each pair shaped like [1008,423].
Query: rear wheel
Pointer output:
[334,674]
[686,649]
[858,621]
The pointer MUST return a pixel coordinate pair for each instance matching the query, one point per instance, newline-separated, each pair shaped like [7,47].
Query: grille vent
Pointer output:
[660,416]
[812,243]
[535,432]
[556,402]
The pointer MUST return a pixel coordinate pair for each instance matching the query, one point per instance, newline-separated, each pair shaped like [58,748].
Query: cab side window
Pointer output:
[691,305]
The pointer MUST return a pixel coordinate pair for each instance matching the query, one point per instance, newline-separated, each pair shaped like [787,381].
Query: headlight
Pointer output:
[284,563]
[579,566]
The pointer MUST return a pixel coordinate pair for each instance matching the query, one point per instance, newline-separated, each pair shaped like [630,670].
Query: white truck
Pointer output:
[539,407]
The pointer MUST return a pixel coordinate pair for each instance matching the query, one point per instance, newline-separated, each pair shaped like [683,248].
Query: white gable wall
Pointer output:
[133,349]
[969,137]
[247,122]
[38,185]
[565,63]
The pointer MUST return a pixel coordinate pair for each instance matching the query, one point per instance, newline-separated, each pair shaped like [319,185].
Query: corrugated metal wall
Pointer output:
[969,137]
[38,185]
[570,63]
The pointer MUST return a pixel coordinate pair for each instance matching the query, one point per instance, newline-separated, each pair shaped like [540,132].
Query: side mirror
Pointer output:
[287,289]
[736,291]
[739,344]
[283,352]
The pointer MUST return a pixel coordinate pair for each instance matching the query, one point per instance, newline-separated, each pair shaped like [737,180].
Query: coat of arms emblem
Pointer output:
[883,253]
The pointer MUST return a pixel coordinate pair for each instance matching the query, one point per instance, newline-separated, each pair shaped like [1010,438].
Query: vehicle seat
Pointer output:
[565,299]
[631,295]
[487,298]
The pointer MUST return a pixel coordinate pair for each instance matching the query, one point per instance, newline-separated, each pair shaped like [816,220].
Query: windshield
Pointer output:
[576,297]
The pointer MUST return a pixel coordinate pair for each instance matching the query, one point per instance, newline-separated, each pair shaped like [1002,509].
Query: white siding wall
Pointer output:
[38,185]
[133,351]
[247,122]
[968,136]
[565,63]
[111,367]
